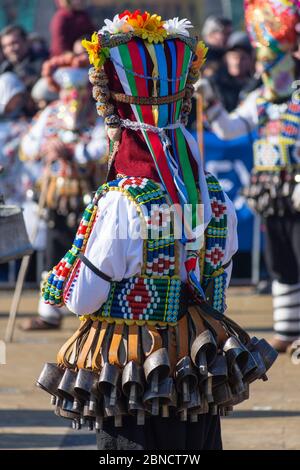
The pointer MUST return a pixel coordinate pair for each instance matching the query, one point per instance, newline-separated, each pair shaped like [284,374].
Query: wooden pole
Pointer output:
[199,114]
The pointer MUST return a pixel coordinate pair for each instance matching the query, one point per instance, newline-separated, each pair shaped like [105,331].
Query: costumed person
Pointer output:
[13,125]
[68,145]
[274,192]
[155,360]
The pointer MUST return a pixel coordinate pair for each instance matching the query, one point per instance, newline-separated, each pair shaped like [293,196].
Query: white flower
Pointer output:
[176,26]
[117,25]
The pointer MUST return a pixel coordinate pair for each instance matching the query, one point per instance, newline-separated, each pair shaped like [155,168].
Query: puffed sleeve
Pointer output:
[32,141]
[231,246]
[95,149]
[240,122]
[114,247]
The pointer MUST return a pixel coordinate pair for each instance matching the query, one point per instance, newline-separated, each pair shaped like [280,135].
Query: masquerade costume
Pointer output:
[71,121]
[155,360]
[274,191]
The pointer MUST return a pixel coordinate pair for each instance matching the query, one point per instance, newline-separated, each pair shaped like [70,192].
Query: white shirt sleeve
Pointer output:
[231,246]
[240,122]
[110,250]
[32,141]
[95,149]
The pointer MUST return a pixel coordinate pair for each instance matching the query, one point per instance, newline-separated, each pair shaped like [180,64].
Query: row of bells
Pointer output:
[208,381]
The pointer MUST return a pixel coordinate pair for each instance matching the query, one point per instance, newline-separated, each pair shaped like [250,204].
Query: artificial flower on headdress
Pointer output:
[200,56]
[148,27]
[119,24]
[176,26]
[97,54]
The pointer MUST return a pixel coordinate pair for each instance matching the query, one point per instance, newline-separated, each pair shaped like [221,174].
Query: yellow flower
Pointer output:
[201,51]
[148,27]
[93,49]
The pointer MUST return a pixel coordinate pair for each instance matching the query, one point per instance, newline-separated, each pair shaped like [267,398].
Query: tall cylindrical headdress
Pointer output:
[143,75]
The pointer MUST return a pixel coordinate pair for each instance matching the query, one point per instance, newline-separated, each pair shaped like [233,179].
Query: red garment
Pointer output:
[66,27]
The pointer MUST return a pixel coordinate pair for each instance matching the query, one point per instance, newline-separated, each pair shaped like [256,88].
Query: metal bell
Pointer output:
[87,412]
[157,368]
[260,371]
[207,386]
[193,407]
[218,370]
[109,382]
[133,381]
[137,409]
[66,410]
[267,352]
[248,371]
[235,352]
[117,410]
[237,357]
[67,383]
[86,382]
[165,395]
[58,405]
[186,378]
[204,408]
[50,378]
[225,410]
[222,394]
[204,351]
[99,423]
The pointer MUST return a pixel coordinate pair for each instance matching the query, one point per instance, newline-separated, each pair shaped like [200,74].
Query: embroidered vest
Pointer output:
[157,295]
[278,128]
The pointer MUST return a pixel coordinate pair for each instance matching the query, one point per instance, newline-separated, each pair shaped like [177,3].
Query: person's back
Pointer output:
[67,25]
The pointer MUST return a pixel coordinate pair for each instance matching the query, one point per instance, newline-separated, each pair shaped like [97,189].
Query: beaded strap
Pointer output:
[147,100]
[213,275]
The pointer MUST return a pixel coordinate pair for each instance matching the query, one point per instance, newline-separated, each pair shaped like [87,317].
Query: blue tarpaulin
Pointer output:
[231,162]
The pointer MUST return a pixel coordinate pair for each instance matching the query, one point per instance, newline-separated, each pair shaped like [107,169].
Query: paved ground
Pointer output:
[269,420]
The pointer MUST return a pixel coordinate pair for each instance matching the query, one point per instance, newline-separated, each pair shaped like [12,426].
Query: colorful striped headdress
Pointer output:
[143,75]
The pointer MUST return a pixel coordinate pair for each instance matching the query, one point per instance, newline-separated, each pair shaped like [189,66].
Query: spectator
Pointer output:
[12,126]
[70,22]
[215,32]
[42,95]
[236,72]
[19,57]
[78,48]
[39,45]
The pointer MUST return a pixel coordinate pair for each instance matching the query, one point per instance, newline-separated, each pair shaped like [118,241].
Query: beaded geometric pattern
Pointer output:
[215,242]
[142,298]
[153,295]
[278,130]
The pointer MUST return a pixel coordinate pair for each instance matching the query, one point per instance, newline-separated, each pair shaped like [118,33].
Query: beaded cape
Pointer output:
[158,288]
